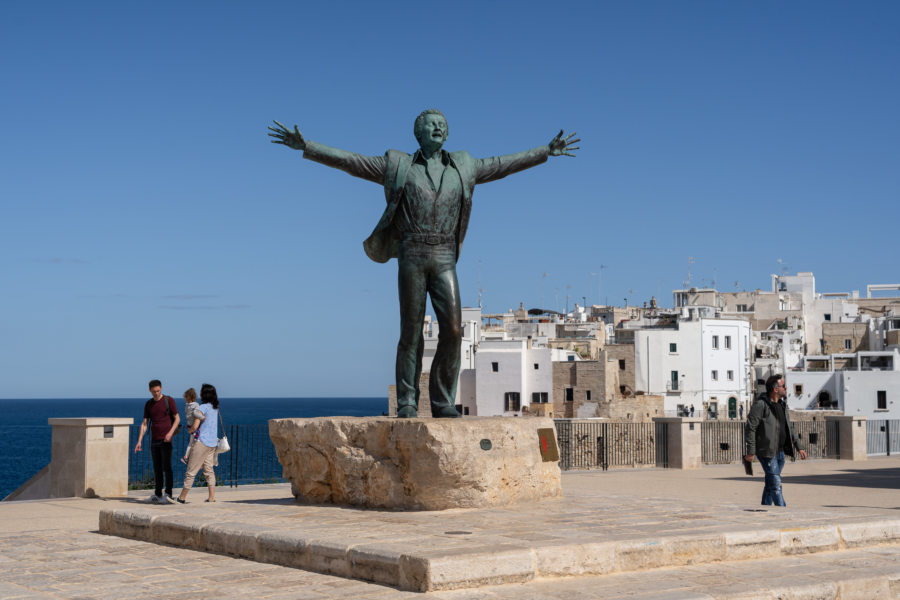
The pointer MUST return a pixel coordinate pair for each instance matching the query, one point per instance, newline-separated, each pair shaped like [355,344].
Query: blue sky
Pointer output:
[151,230]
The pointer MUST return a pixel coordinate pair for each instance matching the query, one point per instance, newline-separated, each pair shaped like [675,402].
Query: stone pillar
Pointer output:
[89,457]
[684,444]
[852,434]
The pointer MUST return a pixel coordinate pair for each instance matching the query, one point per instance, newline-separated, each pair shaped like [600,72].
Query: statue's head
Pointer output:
[431,129]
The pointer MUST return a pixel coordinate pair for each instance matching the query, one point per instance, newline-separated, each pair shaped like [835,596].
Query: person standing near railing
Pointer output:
[203,454]
[161,415]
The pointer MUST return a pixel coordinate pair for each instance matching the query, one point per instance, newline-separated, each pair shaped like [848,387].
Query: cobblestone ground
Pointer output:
[90,565]
[85,565]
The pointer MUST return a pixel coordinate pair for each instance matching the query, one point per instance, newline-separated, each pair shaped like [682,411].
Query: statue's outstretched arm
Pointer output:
[283,135]
[370,168]
[563,146]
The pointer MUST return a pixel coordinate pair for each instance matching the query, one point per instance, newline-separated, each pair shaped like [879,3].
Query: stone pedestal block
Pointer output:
[852,435]
[418,464]
[89,457]
[684,443]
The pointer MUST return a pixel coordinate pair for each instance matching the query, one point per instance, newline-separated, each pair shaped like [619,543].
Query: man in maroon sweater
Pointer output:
[161,414]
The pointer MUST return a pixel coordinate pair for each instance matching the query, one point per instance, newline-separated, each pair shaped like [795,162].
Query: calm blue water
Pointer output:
[25,435]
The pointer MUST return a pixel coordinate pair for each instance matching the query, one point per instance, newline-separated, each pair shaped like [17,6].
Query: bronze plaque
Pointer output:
[547,443]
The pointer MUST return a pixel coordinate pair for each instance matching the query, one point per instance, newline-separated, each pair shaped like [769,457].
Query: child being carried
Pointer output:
[191,414]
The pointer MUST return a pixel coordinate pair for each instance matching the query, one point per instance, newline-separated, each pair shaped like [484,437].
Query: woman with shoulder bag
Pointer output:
[204,453]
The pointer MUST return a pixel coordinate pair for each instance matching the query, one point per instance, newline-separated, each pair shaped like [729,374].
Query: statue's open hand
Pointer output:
[283,135]
[564,146]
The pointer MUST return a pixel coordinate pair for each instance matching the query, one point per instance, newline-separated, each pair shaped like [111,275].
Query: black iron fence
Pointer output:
[252,459]
[602,444]
[723,441]
[882,436]
[583,444]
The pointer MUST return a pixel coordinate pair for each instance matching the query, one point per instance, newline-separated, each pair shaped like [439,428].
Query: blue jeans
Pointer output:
[772,490]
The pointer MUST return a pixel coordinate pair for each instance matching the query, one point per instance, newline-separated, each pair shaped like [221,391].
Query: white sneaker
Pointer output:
[170,499]
[163,499]
[154,499]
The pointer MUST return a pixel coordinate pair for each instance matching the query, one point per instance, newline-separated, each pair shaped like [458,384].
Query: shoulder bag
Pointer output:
[223,446]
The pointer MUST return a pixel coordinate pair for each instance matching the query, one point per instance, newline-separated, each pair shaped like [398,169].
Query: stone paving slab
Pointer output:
[580,535]
[87,565]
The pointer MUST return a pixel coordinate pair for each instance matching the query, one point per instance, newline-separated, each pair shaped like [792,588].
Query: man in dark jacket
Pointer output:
[770,436]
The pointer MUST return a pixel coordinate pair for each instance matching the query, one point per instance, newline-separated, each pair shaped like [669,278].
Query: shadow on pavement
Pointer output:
[888,478]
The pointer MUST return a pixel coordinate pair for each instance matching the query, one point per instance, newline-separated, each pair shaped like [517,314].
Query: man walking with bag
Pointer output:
[770,435]
[161,414]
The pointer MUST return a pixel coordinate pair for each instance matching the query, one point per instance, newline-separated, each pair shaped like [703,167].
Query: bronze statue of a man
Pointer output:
[429,200]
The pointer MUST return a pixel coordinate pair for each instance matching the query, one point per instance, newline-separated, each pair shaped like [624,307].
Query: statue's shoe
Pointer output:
[444,412]
[407,412]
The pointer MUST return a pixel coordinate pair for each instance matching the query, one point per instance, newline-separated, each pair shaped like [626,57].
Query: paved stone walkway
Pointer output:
[51,549]
[85,565]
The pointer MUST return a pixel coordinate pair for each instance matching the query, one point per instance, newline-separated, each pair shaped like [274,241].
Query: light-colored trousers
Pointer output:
[202,456]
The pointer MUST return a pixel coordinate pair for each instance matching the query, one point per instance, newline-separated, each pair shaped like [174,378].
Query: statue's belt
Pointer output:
[432,239]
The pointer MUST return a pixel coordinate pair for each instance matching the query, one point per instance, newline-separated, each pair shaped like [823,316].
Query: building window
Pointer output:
[570,394]
[587,394]
[621,364]
[798,389]
[513,404]
[882,400]
[539,398]
[571,358]
[673,348]
[673,381]
[848,344]
[536,366]
[495,367]
[730,375]
[728,342]
[715,342]
[827,316]
[742,308]
[715,375]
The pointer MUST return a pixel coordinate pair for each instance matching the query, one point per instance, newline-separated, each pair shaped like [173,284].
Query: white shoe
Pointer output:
[163,499]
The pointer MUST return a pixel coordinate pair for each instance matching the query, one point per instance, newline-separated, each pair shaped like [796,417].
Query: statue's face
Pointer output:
[432,133]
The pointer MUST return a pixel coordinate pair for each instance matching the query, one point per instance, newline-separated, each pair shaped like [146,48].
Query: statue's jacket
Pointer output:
[390,171]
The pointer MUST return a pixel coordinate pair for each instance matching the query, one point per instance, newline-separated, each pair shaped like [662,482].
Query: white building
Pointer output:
[509,375]
[700,361]
[471,335]
[863,384]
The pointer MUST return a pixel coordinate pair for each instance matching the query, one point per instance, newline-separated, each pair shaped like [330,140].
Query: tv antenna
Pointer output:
[480,289]
[687,282]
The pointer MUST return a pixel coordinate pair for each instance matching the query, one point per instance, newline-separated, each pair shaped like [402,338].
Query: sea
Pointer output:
[25,435]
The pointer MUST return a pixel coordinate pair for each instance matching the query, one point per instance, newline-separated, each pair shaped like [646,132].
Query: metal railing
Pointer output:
[603,444]
[722,442]
[252,459]
[882,437]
